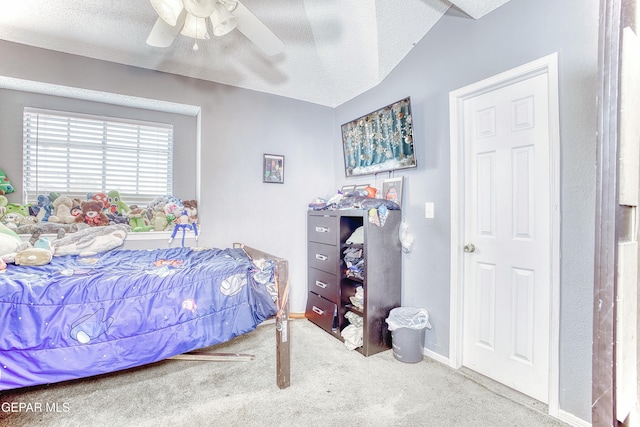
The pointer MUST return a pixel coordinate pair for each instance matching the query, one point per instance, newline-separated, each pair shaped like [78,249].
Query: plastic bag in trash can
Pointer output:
[408,317]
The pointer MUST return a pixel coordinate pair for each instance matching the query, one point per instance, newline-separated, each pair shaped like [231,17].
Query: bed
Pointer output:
[80,316]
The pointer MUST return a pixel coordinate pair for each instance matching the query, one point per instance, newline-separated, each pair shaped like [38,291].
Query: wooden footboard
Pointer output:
[283,346]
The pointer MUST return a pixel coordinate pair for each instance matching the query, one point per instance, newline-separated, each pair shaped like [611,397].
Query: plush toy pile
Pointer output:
[99,209]
[71,220]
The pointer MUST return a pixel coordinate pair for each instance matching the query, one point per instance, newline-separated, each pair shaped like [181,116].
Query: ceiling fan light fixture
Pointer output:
[230,5]
[195,27]
[223,22]
[168,10]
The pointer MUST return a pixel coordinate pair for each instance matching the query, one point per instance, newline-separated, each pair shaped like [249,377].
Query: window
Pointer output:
[76,154]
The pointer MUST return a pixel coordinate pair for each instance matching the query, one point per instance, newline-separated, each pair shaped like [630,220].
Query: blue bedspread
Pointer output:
[82,316]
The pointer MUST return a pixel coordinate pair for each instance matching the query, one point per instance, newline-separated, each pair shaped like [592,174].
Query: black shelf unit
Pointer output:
[330,288]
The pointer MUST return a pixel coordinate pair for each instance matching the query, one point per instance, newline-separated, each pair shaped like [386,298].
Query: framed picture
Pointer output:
[392,190]
[379,141]
[273,169]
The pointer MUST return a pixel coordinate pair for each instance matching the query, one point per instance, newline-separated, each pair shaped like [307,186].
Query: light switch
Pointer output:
[429,210]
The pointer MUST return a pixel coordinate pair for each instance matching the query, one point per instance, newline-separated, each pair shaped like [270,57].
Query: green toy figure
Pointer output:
[116,205]
[138,220]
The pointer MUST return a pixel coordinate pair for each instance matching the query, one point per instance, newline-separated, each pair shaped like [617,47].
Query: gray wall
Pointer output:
[238,126]
[457,52]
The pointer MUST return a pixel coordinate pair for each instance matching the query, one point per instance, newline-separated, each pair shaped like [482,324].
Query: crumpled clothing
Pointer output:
[354,319]
[358,299]
[354,261]
[352,337]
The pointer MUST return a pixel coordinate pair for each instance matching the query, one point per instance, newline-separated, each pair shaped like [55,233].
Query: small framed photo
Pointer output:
[392,190]
[273,169]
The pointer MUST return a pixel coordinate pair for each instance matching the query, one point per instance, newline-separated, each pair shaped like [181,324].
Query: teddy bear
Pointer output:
[92,213]
[62,211]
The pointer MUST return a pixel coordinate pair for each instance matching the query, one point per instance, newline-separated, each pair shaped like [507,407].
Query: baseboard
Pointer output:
[572,420]
[433,355]
[297,316]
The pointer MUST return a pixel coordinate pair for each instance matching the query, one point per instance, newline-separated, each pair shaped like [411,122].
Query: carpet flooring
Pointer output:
[330,386]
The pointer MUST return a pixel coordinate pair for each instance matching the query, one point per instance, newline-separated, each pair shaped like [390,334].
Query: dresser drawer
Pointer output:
[322,229]
[324,284]
[320,311]
[323,257]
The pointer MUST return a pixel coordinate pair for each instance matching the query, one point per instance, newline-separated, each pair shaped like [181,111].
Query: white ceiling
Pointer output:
[335,49]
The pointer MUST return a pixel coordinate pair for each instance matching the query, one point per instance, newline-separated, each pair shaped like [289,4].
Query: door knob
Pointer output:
[469,247]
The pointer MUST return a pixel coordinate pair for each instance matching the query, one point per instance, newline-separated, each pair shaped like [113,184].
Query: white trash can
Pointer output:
[407,325]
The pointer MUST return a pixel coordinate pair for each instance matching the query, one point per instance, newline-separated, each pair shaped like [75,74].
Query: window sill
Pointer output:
[132,236]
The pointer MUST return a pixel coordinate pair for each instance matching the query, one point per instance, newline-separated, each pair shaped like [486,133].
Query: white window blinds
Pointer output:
[75,154]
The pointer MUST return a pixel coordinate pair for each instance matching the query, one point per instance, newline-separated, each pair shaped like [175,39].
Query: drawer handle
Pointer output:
[322,257]
[322,229]
[318,311]
[321,284]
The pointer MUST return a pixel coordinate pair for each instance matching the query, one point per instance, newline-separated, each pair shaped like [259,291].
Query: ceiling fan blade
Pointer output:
[256,31]
[163,34]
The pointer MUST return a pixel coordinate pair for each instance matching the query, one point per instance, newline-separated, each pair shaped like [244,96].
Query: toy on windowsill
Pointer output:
[138,219]
[16,215]
[92,214]
[183,224]
[62,206]
[42,209]
[115,203]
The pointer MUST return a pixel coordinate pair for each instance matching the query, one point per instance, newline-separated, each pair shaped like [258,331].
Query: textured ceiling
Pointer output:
[335,49]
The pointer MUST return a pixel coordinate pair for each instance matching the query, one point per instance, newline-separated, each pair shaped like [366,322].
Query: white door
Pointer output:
[507,233]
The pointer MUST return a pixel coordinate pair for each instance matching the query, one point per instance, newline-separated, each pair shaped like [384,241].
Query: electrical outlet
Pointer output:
[429,210]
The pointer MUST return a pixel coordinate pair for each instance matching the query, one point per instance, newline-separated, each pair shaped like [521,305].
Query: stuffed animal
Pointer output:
[157,204]
[62,210]
[3,203]
[5,185]
[49,228]
[92,214]
[138,219]
[159,221]
[16,215]
[76,209]
[39,254]
[102,198]
[42,210]
[173,210]
[91,240]
[191,207]
[9,240]
[116,218]
[116,203]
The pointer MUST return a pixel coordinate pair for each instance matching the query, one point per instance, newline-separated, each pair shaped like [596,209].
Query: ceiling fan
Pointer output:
[191,18]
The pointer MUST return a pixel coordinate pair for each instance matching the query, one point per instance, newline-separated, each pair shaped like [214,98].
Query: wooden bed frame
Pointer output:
[283,344]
